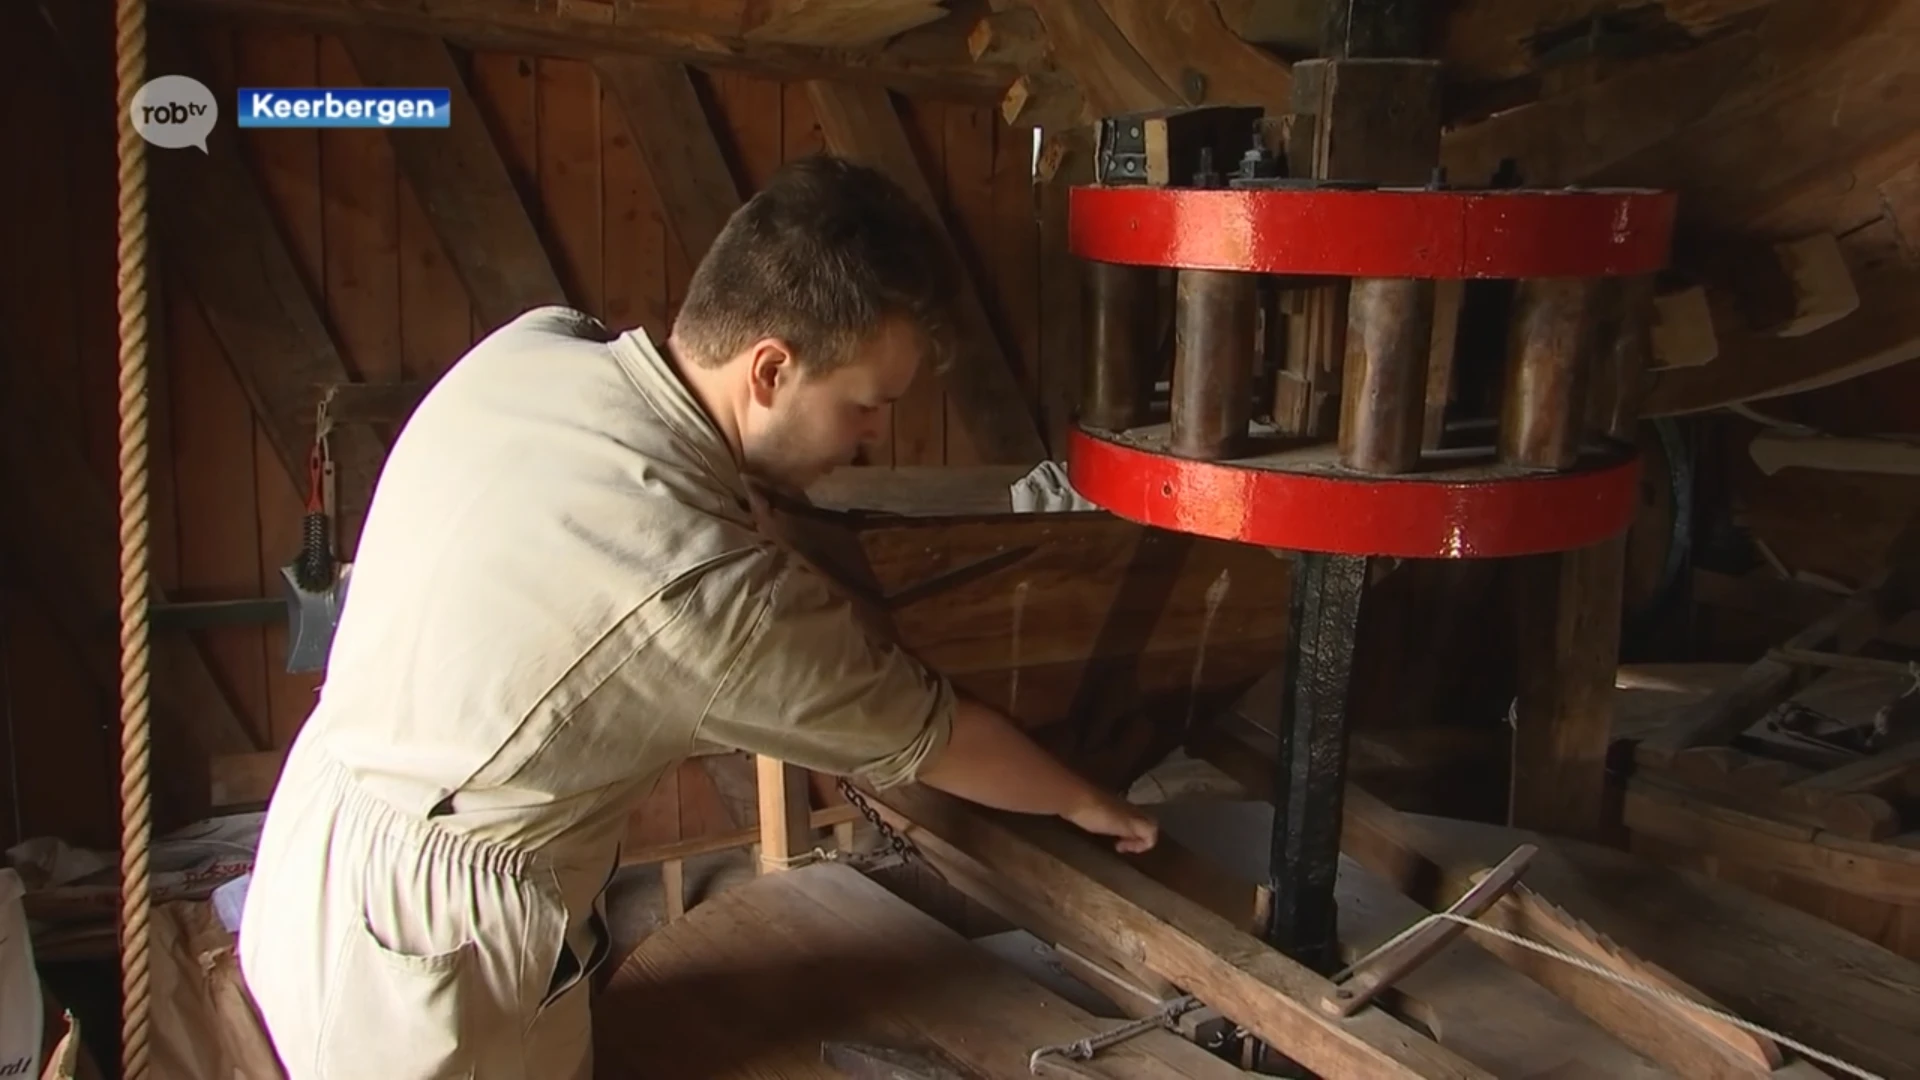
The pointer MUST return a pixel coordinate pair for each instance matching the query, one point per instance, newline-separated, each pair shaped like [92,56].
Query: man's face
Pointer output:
[801,426]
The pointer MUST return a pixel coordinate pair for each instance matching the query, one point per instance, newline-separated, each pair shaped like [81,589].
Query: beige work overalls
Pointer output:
[559,592]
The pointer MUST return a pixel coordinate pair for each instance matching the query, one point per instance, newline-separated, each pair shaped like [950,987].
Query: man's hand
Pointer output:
[1105,814]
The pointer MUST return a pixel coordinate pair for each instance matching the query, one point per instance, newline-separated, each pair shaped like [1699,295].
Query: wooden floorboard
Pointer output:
[750,983]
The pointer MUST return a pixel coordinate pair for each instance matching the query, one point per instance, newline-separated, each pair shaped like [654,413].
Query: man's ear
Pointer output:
[770,364]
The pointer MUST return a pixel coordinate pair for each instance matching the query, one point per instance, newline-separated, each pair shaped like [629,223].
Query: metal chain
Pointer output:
[896,844]
[1085,1049]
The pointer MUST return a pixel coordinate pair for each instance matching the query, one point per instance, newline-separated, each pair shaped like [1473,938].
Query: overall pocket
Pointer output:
[399,1015]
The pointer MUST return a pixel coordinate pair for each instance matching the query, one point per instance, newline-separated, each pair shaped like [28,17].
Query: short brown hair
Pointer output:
[819,258]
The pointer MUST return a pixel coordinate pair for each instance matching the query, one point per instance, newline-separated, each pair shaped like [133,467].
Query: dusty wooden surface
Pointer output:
[749,984]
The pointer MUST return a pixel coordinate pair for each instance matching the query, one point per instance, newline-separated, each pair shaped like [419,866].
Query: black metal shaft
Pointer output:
[1310,775]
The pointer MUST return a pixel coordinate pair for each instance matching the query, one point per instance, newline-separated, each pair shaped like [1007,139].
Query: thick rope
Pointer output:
[1656,992]
[136,805]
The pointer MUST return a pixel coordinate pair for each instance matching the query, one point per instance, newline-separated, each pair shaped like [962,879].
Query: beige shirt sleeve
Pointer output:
[811,687]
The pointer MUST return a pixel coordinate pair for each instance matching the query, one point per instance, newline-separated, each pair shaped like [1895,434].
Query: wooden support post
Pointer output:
[786,828]
[673,887]
[1569,634]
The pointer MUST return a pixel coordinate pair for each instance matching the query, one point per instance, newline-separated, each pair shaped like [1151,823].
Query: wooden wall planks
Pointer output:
[226,514]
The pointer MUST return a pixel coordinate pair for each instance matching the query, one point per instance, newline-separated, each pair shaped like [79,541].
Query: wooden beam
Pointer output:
[1110,70]
[1014,36]
[840,24]
[1567,137]
[461,181]
[860,122]
[1754,366]
[931,61]
[1128,913]
[1044,99]
[1191,50]
[676,141]
[219,229]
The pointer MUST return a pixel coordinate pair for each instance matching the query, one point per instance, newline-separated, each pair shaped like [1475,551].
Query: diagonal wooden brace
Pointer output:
[1387,967]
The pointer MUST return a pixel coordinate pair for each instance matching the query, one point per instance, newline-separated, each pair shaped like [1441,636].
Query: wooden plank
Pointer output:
[461,181]
[1129,913]
[837,956]
[861,123]
[676,140]
[931,60]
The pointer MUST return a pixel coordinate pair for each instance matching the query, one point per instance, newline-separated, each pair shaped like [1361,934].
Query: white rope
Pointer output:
[805,858]
[1656,992]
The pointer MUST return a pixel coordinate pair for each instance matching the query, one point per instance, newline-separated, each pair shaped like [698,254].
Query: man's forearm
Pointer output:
[991,761]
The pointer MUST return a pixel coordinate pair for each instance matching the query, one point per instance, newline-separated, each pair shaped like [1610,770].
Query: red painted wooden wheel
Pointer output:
[1414,233]
[1300,500]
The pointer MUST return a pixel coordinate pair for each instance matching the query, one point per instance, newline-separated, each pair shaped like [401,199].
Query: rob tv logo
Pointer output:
[174,111]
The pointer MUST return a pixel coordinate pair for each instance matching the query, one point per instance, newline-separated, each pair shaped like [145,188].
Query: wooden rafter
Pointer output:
[931,60]
[860,122]
[462,182]
[676,140]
